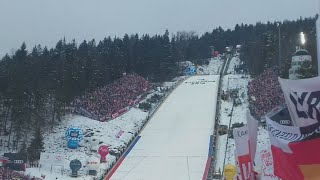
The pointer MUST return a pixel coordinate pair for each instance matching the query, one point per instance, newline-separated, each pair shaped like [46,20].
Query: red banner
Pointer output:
[295,151]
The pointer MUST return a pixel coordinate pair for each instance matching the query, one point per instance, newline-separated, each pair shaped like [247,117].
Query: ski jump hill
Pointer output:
[177,141]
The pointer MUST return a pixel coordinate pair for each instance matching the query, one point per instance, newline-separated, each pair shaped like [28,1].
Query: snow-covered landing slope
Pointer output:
[175,143]
[213,68]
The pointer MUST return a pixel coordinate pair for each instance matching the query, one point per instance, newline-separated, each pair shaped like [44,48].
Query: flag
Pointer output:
[267,168]
[252,135]
[295,150]
[303,100]
[238,175]
[241,139]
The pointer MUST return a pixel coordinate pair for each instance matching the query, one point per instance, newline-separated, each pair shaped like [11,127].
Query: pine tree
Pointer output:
[23,149]
[307,70]
[36,146]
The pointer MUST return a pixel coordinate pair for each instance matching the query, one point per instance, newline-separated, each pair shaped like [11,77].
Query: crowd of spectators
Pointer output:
[265,93]
[8,174]
[104,102]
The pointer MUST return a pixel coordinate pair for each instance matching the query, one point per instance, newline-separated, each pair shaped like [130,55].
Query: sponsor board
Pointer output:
[52,159]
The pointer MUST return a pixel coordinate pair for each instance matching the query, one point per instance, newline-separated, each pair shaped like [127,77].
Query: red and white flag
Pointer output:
[252,135]
[267,168]
[238,175]
[241,139]
[295,151]
[303,100]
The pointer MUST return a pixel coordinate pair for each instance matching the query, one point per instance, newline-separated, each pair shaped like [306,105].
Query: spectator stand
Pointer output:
[264,93]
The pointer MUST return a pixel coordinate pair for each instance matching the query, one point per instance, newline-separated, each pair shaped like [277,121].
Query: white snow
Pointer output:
[175,143]
[104,132]
[213,68]
[173,83]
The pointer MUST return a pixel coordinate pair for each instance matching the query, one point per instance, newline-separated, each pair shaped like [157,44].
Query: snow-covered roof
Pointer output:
[301,52]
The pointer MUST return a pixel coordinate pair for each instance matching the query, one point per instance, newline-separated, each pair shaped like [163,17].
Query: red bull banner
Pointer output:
[241,139]
[267,168]
[295,151]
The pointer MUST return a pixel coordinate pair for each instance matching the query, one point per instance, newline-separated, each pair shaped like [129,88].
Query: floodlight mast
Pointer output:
[302,38]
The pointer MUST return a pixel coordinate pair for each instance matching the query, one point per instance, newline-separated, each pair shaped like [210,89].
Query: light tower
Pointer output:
[302,40]
[299,57]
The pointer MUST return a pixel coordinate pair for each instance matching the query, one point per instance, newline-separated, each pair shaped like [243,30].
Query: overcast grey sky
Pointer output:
[45,22]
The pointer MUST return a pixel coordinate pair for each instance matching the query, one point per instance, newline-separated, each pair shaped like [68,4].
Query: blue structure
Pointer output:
[191,70]
[74,135]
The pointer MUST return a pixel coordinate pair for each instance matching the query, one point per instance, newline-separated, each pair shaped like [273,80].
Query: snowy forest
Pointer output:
[261,44]
[38,85]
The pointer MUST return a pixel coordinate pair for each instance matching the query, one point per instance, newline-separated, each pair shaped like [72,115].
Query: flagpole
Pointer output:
[318,36]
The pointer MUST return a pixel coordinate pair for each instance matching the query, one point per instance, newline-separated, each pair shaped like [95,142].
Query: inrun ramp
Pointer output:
[175,143]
